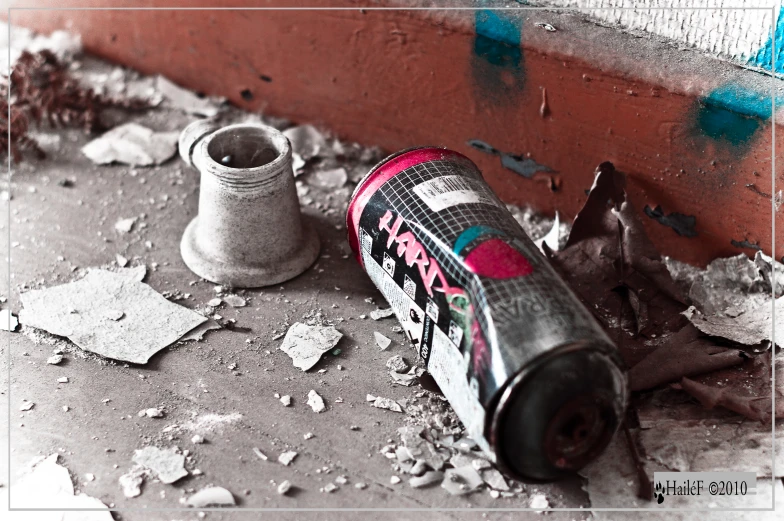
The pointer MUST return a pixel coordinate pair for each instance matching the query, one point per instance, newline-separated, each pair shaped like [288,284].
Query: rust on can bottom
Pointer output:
[530,373]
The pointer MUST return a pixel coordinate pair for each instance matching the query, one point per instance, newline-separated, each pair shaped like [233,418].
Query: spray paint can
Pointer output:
[527,369]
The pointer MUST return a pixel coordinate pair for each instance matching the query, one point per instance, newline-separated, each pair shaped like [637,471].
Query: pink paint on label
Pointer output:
[496,259]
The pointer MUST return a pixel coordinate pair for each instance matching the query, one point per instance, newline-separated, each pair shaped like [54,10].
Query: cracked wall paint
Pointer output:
[682,224]
[524,166]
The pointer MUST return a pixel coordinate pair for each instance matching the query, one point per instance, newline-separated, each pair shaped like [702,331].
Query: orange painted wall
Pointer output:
[399,79]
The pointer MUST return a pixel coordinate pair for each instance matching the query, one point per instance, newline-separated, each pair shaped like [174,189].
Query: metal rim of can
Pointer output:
[382,172]
[508,393]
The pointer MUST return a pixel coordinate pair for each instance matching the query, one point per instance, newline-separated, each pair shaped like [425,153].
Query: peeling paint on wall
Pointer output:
[681,223]
[519,164]
[746,244]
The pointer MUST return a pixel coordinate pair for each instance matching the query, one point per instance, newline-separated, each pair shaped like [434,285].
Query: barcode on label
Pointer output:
[446,191]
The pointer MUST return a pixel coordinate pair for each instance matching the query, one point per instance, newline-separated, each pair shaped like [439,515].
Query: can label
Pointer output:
[472,292]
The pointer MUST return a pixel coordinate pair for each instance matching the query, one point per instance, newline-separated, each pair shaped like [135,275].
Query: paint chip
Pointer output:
[397,364]
[382,341]
[427,479]
[8,321]
[260,454]
[378,314]
[167,464]
[284,488]
[539,502]
[305,344]
[462,480]
[48,486]
[132,144]
[287,457]
[77,310]
[234,301]
[125,225]
[186,100]
[131,482]
[315,401]
[211,496]
[750,327]
[387,403]
[547,27]
[307,141]
[681,223]
[332,178]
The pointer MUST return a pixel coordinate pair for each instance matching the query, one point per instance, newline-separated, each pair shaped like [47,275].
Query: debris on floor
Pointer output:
[44,90]
[306,141]
[132,144]
[334,178]
[552,238]
[8,321]
[316,402]
[284,488]
[749,327]
[698,388]
[234,301]
[287,457]
[131,482]
[77,310]
[167,464]
[462,480]
[211,496]
[186,100]
[125,225]
[305,344]
[382,341]
[198,332]
[386,403]
[622,277]
[378,314]
[397,364]
[48,485]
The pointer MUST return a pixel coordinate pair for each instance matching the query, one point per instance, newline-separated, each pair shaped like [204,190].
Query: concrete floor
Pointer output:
[77,223]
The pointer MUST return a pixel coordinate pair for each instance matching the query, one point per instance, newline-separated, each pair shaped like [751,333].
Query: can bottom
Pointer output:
[561,416]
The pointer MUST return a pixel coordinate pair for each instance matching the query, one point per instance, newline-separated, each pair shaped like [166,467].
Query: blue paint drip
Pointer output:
[764,56]
[733,113]
[469,234]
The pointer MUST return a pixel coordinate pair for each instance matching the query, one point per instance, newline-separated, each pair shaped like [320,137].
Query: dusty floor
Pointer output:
[62,214]
[57,231]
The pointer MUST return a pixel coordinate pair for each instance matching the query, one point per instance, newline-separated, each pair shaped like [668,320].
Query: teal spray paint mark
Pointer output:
[764,56]
[474,232]
[497,62]
[733,114]
[498,39]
